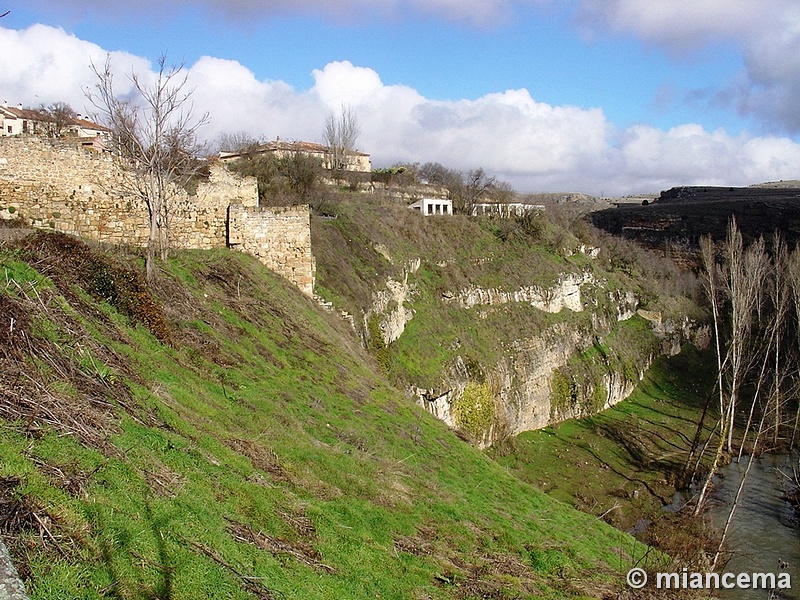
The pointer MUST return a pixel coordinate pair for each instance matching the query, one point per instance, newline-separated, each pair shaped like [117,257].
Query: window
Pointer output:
[430,208]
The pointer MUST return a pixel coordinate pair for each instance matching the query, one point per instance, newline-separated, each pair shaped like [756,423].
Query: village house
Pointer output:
[25,121]
[356,161]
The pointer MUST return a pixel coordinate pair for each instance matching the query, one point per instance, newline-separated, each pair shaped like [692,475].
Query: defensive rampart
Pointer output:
[57,185]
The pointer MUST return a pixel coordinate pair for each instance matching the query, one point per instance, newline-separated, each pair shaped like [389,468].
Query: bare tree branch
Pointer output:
[340,135]
[155,136]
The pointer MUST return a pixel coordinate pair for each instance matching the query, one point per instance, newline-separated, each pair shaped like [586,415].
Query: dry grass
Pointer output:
[27,527]
[300,550]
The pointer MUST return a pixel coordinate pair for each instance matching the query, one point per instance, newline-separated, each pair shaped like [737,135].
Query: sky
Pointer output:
[606,97]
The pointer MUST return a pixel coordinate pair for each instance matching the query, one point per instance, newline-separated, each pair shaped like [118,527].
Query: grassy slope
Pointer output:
[260,455]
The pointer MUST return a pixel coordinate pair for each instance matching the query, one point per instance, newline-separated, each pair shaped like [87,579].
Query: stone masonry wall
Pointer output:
[56,185]
[279,237]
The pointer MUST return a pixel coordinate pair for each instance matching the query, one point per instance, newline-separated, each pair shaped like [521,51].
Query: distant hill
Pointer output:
[681,215]
[790,183]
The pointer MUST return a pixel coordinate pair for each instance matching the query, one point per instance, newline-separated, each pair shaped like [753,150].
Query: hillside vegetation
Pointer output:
[218,435]
[444,305]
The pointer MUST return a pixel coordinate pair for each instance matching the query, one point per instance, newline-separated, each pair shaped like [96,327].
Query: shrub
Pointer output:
[474,409]
[72,262]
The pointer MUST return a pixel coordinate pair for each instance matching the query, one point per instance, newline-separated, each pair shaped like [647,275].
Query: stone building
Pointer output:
[25,121]
[356,161]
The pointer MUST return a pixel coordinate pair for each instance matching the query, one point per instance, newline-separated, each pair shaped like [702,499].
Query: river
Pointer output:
[762,532]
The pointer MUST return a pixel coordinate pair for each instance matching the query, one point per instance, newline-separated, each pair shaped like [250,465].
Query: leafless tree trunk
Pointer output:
[741,280]
[711,275]
[155,136]
[340,136]
[745,273]
[794,284]
[781,302]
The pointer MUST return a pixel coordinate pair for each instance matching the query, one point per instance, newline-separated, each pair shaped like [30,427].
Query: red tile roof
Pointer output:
[37,115]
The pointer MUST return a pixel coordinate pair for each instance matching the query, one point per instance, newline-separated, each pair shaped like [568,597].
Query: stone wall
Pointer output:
[279,237]
[56,185]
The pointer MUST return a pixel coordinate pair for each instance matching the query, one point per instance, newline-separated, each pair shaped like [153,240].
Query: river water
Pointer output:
[762,533]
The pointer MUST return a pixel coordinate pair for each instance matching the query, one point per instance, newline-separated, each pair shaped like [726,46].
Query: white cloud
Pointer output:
[534,145]
[237,101]
[767,33]
[679,24]
[340,83]
[42,65]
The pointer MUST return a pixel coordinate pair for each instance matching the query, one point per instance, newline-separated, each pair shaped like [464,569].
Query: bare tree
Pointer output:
[501,191]
[739,280]
[746,272]
[474,186]
[794,284]
[239,142]
[780,296]
[57,118]
[711,280]
[155,135]
[340,135]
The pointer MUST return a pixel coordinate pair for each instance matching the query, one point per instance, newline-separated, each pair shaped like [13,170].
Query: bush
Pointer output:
[290,179]
[74,263]
[474,409]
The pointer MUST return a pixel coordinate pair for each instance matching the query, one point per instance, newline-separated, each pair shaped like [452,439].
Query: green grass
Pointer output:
[260,454]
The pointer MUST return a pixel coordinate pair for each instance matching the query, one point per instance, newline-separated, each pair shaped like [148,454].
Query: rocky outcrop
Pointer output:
[566,293]
[390,307]
[523,378]
[11,587]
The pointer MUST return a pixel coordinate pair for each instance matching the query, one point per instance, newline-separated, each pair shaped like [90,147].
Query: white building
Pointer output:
[16,120]
[433,206]
[504,210]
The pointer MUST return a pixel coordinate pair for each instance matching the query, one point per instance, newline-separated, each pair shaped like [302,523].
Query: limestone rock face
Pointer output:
[523,378]
[565,294]
[390,305]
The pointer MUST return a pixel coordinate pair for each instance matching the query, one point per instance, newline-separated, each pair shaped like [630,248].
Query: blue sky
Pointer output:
[621,96]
